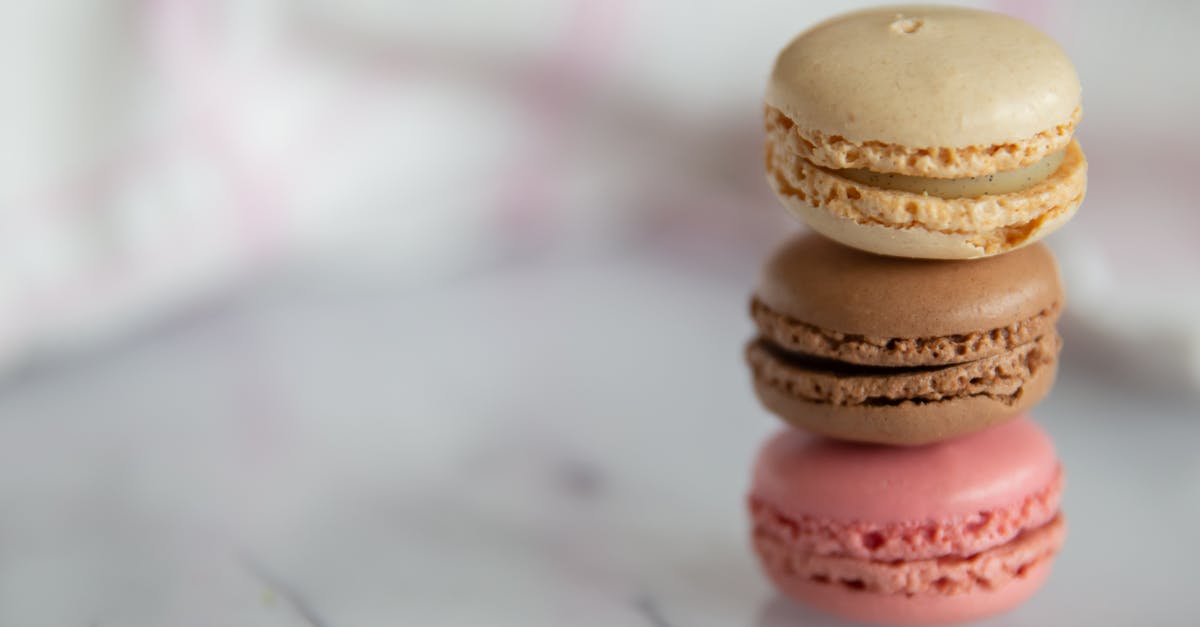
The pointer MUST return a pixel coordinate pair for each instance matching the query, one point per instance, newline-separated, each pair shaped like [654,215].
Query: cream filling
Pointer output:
[1005,182]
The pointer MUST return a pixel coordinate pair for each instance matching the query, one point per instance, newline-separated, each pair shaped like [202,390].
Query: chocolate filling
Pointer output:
[819,380]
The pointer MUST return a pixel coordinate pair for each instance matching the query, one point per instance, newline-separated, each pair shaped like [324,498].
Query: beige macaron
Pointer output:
[928,131]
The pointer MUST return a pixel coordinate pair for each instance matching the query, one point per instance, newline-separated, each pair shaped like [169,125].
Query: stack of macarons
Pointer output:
[903,342]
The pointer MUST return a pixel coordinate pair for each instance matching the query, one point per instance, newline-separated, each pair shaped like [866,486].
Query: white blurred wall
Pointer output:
[157,151]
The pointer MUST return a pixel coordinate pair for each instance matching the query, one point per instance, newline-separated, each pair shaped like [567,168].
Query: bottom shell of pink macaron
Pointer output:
[947,590]
[924,609]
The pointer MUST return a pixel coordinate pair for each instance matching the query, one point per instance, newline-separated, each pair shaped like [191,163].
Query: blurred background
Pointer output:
[365,312]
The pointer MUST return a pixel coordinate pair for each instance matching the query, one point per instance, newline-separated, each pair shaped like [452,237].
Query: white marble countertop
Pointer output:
[542,444]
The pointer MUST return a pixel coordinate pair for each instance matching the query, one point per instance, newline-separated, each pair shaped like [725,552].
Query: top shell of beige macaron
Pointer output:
[931,91]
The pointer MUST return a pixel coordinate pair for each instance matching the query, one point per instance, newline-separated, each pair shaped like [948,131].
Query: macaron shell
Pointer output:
[782,390]
[836,152]
[899,609]
[823,283]
[906,424]
[805,475]
[925,76]
[1000,377]
[915,243]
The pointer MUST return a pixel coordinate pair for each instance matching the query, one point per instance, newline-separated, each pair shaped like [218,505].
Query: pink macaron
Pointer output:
[943,533]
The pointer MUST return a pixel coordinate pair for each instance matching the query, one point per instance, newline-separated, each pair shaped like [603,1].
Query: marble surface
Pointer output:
[561,443]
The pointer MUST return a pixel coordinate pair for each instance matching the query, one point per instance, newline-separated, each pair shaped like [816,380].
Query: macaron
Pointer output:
[949,532]
[927,131]
[902,351]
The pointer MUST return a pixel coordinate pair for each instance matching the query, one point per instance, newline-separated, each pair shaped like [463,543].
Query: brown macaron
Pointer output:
[902,351]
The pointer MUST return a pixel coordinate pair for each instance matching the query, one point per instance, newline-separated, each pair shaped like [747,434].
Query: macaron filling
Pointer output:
[907,540]
[796,336]
[950,575]
[894,222]
[1004,182]
[1000,377]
